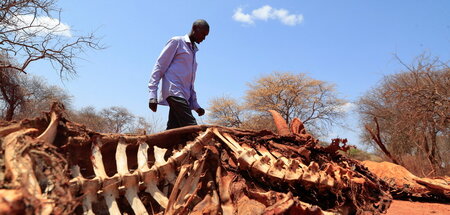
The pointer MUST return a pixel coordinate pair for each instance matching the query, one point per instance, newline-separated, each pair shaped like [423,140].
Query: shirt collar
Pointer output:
[188,40]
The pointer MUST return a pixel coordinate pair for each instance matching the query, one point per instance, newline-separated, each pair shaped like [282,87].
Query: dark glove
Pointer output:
[200,111]
[153,104]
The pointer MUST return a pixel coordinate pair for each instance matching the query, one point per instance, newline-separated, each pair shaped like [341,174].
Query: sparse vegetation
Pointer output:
[412,110]
[314,102]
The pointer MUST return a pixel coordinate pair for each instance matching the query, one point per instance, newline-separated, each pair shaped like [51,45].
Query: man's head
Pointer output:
[200,29]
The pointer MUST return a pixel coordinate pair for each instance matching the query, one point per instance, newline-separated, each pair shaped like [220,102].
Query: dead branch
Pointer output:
[377,139]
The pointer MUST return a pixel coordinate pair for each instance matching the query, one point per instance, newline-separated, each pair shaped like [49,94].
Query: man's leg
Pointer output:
[172,122]
[180,113]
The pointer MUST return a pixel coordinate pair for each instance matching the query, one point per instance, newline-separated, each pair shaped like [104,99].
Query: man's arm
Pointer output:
[194,104]
[161,65]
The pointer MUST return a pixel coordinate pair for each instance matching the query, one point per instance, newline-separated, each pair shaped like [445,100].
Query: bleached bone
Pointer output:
[97,160]
[278,169]
[311,173]
[294,171]
[91,187]
[77,179]
[159,155]
[142,156]
[253,159]
[190,189]
[177,199]
[50,133]
[248,159]
[247,154]
[130,181]
[109,185]
[150,180]
[149,176]
[258,165]
[111,193]
[236,148]
[165,168]
[173,196]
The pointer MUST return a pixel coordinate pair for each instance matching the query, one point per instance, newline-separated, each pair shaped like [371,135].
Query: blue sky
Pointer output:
[348,43]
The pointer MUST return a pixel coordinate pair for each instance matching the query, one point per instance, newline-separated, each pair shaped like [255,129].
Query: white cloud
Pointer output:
[262,13]
[41,25]
[267,12]
[241,17]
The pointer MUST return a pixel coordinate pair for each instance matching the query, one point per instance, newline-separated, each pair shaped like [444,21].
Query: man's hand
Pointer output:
[153,104]
[200,111]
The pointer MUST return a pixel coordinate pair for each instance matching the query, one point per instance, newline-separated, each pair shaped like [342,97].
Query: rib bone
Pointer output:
[130,181]
[242,171]
[110,185]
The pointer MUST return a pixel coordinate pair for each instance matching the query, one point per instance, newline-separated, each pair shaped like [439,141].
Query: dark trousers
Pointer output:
[180,113]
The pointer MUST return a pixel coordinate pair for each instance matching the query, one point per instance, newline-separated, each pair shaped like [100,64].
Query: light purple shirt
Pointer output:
[176,66]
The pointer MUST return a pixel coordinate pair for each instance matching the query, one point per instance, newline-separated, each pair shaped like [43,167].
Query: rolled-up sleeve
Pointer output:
[161,66]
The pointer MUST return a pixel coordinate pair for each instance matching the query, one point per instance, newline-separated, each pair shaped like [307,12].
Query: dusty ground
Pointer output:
[416,208]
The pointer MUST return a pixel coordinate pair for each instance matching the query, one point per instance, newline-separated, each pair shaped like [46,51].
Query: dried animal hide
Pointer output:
[404,185]
[56,166]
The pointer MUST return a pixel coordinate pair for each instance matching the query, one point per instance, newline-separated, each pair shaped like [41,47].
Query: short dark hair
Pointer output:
[200,23]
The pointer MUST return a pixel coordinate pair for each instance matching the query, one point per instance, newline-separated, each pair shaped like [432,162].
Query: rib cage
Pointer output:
[196,169]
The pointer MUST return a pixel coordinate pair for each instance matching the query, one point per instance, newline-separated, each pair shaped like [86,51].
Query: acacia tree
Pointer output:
[39,95]
[226,111]
[89,117]
[143,126]
[114,120]
[118,119]
[31,30]
[314,102]
[413,112]
[293,95]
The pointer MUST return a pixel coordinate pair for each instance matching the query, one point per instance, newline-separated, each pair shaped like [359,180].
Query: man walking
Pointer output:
[176,66]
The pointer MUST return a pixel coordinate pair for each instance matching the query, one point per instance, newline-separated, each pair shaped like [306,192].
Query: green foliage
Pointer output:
[361,155]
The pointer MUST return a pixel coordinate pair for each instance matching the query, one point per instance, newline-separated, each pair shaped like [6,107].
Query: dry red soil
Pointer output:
[416,208]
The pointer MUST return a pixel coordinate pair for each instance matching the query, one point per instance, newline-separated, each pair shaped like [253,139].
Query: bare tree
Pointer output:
[22,95]
[89,117]
[314,102]
[39,95]
[118,119]
[413,111]
[258,122]
[226,111]
[142,126]
[12,95]
[31,30]
[293,95]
